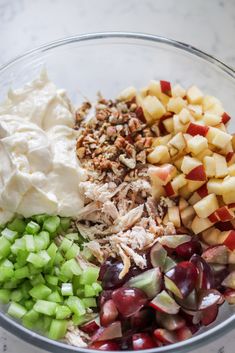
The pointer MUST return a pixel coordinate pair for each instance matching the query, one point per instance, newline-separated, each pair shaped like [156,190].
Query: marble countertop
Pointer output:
[208,25]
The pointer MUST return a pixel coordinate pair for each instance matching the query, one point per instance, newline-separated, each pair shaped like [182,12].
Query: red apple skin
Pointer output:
[196,129]
[225,118]
[213,217]
[224,214]
[163,172]
[230,156]
[224,226]
[197,174]
[169,189]
[166,87]
[230,240]
[231,205]
[90,327]
[202,191]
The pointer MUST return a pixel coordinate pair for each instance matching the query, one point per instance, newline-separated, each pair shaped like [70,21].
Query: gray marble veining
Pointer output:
[206,24]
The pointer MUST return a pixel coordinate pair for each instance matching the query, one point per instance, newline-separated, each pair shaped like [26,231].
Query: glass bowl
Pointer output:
[109,62]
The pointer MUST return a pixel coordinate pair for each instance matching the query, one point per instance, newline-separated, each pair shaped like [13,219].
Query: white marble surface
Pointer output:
[206,24]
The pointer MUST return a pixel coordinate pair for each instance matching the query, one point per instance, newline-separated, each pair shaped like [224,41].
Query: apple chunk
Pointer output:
[160,154]
[194,95]
[206,206]
[200,224]
[154,108]
[221,169]
[196,129]
[163,174]
[197,174]
[189,164]
[197,144]
[165,87]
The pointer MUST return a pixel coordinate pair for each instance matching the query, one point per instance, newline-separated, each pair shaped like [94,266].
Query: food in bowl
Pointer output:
[117,217]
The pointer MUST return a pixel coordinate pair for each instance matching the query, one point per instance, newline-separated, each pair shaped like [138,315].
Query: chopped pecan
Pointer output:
[134,125]
[81,151]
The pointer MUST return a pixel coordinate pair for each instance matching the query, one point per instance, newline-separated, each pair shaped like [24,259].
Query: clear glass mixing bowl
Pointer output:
[109,62]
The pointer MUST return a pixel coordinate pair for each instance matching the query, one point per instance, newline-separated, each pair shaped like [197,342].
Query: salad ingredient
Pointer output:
[38,152]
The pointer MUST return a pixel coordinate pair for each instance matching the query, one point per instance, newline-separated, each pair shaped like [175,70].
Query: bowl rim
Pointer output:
[43,342]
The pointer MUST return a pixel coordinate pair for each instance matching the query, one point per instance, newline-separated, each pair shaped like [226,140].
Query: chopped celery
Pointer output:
[63,312]
[89,291]
[58,258]
[70,268]
[80,292]
[65,244]
[5,296]
[37,279]
[65,223]
[16,310]
[21,258]
[72,236]
[55,297]
[40,218]
[29,304]
[76,305]
[79,320]
[13,283]
[67,289]
[89,302]
[86,252]
[52,250]
[52,280]
[18,245]
[89,275]
[46,323]
[45,307]
[25,288]
[5,247]
[40,291]
[58,329]
[22,272]
[30,318]
[40,259]
[51,224]
[6,273]
[9,234]
[16,295]
[29,242]
[18,225]
[32,228]
[42,240]
[97,287]
[72,252]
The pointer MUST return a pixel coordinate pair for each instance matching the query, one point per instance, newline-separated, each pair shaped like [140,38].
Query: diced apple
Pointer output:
[182,204]
[211,236]
[202,191]
[174,216]
[225,118]
[194,198]
[211,119]
[229,184]
[194,95]
[211,134]
[215,186]
[197,144]
[176,104]
[197,129]
[173,152]
[197,174]
[178,142]
[187,216]
[178,125]
[196,111]
[127,94]
[178,91]
[206,206]
[185,117]
[165,87]
[163,174]
[212,104]
[168,124]
[221,169]
[209,165]
[230,157]
[169,189]
[178,162]
[154,108]
[184,192]
[221,139]
[229,197]
[200,224]
[161,140]
[189,164]
[224,214]
[231,170]
[178,182]
[205,153]
[229,281]
[194,185]
[160,154]
[213,217]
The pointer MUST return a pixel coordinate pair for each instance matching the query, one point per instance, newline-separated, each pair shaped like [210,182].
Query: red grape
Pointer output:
[129,300]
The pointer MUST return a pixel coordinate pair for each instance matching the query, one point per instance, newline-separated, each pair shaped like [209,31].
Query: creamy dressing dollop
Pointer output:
[39,169]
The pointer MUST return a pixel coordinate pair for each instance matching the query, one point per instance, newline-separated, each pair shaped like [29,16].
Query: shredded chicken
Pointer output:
[77,337]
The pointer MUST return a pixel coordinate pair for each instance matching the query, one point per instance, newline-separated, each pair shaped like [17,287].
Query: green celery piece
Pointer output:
[55,297]
[58,258]
[40,218]
[42,240]
[29,242]
[37,279]
[89,291]
[30,318]
[33,270]
[97,287]
[46,323]
[6,273]
[89,275]
[5,247]
[21,258]
[9,234]
[45,307]
[36,260]
[72,236]
[65,244]
[89,302]
[5,296]
[40,291]
[11,284]
[29,304]
[52,280]
[76,283]
[80,292]
[63,312]
[52,251]
[22,272]
[32,228]
[19,245]
[16,295]
[25,288]
[76,305]
[51,224]
[86,252]
[66,289]
[6,263]
[79,320]
[58,329]
[73,251]
[65,223]
[16,310]
[18,225]
[70,268]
